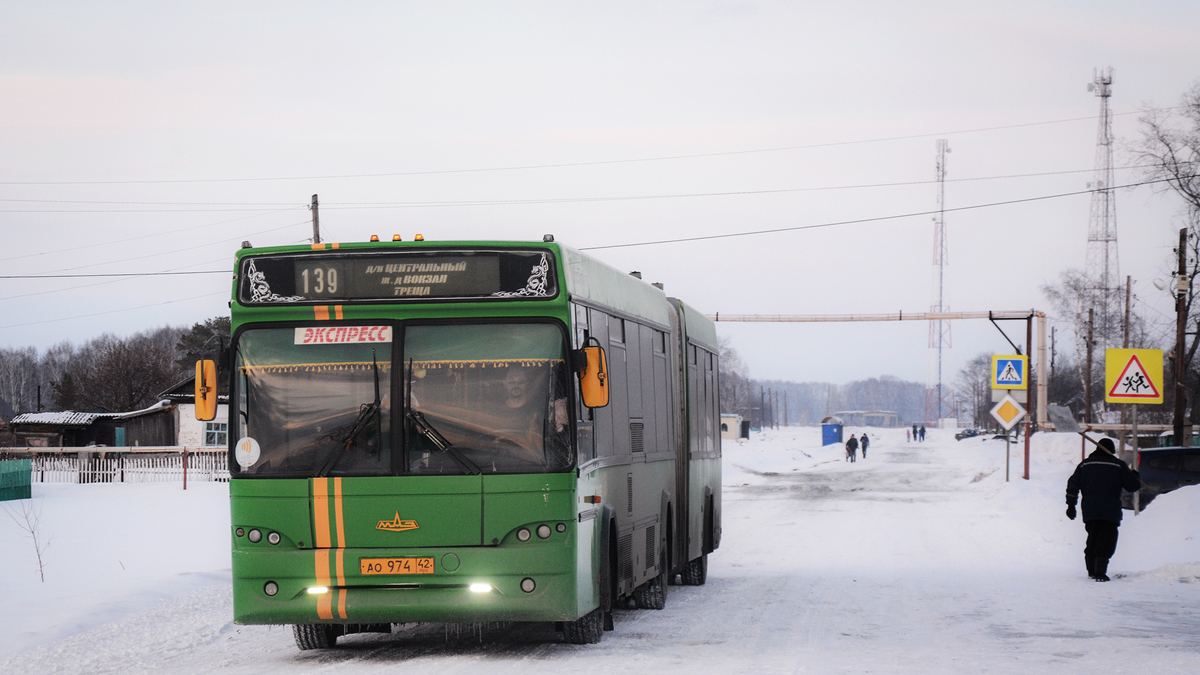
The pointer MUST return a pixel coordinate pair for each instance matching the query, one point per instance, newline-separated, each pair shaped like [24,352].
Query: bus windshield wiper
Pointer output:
[367,413]
[439,441]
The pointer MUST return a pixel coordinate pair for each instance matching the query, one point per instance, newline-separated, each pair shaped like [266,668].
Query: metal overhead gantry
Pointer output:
[1025,315]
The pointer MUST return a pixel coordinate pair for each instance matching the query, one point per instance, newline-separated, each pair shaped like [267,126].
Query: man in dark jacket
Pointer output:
[1100,477]
[852,448]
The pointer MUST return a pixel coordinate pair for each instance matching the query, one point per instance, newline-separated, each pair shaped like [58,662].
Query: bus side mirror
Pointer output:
[206,390]
[593,377]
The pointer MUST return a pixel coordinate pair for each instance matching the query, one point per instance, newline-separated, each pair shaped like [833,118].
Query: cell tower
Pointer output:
[1100,269]
[938,396]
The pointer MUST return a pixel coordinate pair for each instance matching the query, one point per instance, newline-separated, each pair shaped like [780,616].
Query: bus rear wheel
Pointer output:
[315,635]
[586,630]
[653,594]
[695,573]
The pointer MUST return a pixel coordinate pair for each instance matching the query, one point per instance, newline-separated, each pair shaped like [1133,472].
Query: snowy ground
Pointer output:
[918,559]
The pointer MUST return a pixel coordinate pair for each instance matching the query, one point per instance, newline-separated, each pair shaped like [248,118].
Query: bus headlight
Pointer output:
[528,585]
[271,588]
[543,531]
[523,534]
[254,536]
[318,590]
[480,588]
[273,538]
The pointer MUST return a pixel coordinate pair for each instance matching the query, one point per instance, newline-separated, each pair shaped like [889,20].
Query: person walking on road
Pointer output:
[1100,478]
[922,433]
[852,448]
[907,435]
[864,443]
[915,437]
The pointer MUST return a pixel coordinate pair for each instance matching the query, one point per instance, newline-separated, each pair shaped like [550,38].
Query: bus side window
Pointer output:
[580,334]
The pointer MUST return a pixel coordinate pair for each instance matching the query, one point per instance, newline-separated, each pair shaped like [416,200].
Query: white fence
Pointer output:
[132,465]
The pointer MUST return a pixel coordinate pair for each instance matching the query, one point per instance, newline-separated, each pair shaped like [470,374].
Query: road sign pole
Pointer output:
[1007,459]
[1028,422]
[1137,454]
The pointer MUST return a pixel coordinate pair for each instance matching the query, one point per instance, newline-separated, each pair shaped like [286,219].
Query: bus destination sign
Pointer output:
[397,276]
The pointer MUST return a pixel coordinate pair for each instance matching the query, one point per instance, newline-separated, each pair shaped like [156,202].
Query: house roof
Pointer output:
[66,418]
[185,392]
[71,418]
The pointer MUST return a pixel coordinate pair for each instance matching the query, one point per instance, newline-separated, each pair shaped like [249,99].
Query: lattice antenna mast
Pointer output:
[1100,268]
[938,396]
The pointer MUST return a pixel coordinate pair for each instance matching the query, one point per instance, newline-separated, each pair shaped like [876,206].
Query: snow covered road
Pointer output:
[918,559]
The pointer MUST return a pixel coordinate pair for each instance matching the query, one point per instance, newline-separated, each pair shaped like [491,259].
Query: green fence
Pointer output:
[15,477]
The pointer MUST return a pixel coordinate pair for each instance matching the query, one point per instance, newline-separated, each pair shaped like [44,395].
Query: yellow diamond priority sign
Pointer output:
[1008,412]
[1133,375]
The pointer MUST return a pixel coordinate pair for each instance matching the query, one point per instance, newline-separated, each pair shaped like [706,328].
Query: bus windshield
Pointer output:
[316,400]
[486,398]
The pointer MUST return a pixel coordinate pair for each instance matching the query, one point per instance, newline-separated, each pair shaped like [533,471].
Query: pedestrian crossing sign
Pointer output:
[1010,372]
[1133,375]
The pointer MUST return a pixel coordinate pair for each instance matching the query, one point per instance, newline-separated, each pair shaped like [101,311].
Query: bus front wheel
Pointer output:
[586,630]
[315,635]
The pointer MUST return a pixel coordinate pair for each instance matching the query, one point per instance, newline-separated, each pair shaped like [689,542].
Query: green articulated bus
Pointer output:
[462,432]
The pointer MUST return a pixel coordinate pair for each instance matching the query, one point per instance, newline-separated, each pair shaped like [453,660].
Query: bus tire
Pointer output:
[653,594]
[315,635]
[586,630]
[695,573]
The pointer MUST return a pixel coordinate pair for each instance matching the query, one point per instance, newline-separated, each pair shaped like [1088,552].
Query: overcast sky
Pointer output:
[147,137]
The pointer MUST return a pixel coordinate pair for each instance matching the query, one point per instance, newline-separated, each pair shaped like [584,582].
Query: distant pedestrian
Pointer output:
[922,433]
[864,443]
[852,448]
[915,436]
[1100,477]
[907,435]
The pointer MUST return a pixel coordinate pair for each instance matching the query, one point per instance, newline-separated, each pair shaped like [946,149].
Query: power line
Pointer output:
[860,220]
[537,200]
[113,311]
[157,233]
[118,274]
[562,165]
[190,247]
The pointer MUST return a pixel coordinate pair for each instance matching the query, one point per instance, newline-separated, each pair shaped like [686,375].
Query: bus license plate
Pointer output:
[396,565]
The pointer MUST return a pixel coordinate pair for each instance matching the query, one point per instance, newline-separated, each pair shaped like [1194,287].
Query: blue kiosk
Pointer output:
[831,430]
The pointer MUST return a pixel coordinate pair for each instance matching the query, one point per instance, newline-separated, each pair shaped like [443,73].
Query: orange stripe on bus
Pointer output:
[324,600]
[337,510]
[318,247]
[337,310]
[342,603]
[321,514]
[321,312]
[341,571]
[335,246]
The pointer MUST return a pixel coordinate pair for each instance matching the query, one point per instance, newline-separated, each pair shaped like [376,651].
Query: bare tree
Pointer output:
[1169,152]
[29,518]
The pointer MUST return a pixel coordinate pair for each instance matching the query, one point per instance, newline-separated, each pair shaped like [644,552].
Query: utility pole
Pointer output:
[785,408]
[316,222]
[762,409]
[1181,291]
[1125,345]
[1087,384]
[1050,384]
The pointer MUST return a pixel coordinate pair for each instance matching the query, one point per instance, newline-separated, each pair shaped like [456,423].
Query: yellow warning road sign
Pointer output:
[1133,375]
